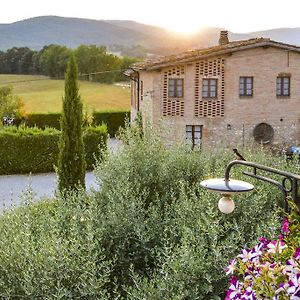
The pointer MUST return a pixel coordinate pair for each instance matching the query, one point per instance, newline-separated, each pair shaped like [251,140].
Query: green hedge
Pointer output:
[24,149]
[95,140]
[43,120]
[114,120]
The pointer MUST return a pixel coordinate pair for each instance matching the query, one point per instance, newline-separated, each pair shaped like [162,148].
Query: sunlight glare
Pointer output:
[188,27]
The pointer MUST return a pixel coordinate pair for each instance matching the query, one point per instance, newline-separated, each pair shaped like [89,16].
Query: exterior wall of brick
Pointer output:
[241,114]
[282,113]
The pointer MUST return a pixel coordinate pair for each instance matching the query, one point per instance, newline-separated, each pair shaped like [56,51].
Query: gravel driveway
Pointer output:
[42,185]
[12,187]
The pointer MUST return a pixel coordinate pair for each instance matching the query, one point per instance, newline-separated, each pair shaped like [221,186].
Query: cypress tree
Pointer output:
[71,163]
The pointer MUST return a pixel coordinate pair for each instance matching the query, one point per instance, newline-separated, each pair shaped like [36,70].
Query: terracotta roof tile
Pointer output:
[192,55]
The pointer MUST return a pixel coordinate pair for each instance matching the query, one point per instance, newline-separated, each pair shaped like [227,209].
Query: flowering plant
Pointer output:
[271,269]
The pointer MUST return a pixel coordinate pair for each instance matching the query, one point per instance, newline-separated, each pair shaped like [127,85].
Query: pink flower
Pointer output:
[297,254]
[264,242]
[234,291]
[285,226]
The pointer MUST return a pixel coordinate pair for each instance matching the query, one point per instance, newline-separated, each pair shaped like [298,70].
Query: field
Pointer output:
[41,94]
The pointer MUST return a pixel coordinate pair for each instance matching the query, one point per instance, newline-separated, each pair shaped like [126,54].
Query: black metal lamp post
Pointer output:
[228,187]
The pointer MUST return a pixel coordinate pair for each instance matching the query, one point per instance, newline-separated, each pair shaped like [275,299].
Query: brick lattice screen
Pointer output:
[210,69]
[172,106]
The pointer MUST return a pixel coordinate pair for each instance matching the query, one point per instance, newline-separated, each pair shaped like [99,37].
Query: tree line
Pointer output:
[94,62]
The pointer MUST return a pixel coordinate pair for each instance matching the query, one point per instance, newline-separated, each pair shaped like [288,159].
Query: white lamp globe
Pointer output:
[226,205]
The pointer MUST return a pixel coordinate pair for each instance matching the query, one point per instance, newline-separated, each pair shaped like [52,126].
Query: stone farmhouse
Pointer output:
[232,94]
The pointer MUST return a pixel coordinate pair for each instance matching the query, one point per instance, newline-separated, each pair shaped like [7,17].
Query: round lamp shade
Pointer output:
[226,205]
[226,187]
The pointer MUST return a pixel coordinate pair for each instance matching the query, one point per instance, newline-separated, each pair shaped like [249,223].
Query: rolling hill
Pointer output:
[72,32]
[37,32]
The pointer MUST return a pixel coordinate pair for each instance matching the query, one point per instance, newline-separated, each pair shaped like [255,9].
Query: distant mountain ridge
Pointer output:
[37,32]
[72,32]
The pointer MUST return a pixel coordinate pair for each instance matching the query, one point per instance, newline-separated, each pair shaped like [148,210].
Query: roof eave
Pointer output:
[130,72]
[218,53]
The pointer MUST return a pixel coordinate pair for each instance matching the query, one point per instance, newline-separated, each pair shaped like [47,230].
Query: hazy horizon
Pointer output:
[193,33]
[184,17]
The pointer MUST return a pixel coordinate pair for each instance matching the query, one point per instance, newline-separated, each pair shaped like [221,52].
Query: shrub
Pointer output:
[95,141]
[150,233]
[114,120]
[10,105]
[43,120]
[178,243]
[51,250]
[25,149]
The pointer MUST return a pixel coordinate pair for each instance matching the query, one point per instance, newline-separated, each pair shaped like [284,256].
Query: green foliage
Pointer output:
[88,57]
[151,232]
[17,61]
[95,141]
[32,150]
[71,162]
[114,120]
[179,243]
[25,150]
[43,120]
[52,250]
[10,104]
[54,60]
[126,63]
[93,59]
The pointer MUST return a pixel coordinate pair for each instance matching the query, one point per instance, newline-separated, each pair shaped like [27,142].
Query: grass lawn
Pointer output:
[42,95]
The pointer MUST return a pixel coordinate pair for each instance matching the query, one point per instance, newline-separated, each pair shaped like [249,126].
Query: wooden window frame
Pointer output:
[209,90]
[193,134]
[243,81]
[281,89]
[176,93]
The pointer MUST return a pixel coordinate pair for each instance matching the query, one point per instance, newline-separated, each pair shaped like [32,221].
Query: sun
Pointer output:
[188,27]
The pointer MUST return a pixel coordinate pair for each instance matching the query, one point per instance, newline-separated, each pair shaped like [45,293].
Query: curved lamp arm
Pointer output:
[288,178]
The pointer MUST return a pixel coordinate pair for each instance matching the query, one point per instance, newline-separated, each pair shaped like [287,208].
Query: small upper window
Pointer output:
[246,86]
[175,88]
[283,86]
[209,88]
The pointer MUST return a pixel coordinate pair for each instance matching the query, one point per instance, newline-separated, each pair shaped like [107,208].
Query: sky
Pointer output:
[185,16]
